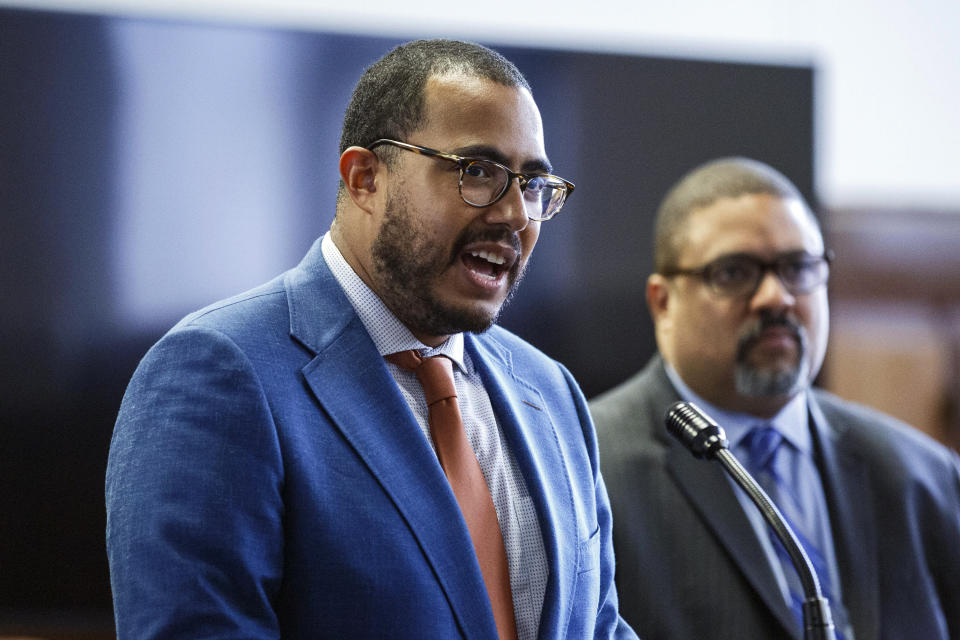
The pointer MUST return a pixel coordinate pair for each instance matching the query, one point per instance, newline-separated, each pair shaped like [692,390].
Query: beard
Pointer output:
[407,262]
[757,381]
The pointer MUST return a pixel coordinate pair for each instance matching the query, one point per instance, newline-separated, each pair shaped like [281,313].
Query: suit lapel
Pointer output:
[709,490]
[361,399]
[525,420]
[846,483]
[706,486]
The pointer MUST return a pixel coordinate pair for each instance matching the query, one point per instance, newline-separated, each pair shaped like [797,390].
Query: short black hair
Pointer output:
[721,178]
[388,101]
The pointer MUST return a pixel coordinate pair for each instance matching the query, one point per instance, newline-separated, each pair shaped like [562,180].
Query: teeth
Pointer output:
[489,257]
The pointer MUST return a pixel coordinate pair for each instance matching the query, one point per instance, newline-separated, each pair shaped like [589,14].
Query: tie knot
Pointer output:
[761,444]
[435,373]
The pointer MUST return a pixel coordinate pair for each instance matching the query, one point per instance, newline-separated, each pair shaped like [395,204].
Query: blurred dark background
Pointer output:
[149,167]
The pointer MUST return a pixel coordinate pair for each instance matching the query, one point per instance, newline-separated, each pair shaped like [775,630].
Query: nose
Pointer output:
[771,293]
[509,210]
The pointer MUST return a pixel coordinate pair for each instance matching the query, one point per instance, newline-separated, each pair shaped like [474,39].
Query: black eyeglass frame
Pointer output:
[464,162]
[781,262]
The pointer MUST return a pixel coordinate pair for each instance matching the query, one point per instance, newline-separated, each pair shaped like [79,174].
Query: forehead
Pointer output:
[761,224]
[466,112]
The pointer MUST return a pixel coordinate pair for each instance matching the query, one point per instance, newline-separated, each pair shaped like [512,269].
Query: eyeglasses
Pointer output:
[484,182]
[740,274]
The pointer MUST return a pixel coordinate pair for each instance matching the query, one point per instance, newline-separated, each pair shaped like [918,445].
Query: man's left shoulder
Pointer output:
[876,433]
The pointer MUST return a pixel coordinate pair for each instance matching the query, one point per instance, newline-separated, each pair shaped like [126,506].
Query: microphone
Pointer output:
[707,440]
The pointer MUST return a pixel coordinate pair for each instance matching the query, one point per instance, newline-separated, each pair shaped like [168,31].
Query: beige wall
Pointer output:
[894,359]
[895,314]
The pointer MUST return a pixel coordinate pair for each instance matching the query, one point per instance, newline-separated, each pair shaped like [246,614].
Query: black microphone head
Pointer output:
[695,429]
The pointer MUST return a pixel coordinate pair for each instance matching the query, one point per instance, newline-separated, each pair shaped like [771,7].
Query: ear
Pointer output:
[658,296]
[359,169]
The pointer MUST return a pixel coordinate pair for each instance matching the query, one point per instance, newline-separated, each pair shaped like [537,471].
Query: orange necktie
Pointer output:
[466,479]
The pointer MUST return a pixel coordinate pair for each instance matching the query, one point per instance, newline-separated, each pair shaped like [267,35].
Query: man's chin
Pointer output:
[471,314]
[444,320]
[448,311]
[476,319]
[767,381]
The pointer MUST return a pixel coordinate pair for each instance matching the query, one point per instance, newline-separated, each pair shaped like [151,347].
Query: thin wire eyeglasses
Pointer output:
[484,182]
[741,274]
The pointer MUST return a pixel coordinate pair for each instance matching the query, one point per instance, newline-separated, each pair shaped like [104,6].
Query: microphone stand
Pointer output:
[707,440]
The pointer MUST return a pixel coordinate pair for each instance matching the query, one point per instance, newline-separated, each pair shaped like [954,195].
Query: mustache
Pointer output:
[768,320]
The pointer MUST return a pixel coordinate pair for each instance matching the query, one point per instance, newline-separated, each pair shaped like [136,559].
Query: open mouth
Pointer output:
[489,265]
[486,264]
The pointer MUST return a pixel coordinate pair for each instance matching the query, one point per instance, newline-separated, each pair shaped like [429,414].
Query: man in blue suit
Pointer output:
[272,475]
[739,303]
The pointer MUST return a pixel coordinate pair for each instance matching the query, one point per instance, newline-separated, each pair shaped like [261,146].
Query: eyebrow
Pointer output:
[486,152]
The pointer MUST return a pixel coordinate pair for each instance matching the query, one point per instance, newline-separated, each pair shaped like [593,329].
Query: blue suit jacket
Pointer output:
[266,479]
[690,565]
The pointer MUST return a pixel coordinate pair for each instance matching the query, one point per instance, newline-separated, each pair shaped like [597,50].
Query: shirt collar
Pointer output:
[388,333]
[791,421]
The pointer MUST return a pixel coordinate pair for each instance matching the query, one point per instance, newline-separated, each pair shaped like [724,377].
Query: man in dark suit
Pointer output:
[739,303]
[273,475]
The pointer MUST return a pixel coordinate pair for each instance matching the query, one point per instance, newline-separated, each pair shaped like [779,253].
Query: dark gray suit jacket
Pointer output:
[689,566]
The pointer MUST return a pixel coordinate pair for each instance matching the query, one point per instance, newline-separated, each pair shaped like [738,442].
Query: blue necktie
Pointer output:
[770,458]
